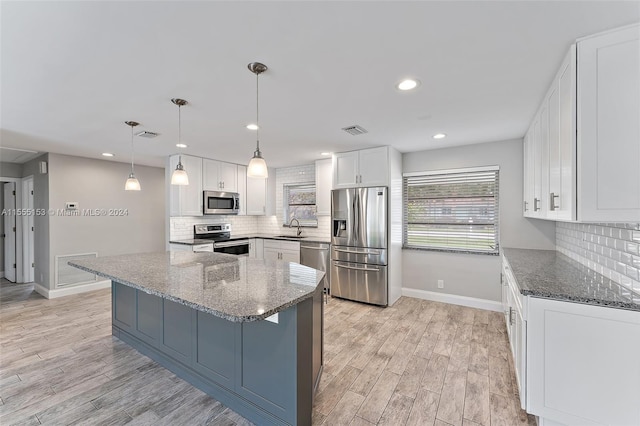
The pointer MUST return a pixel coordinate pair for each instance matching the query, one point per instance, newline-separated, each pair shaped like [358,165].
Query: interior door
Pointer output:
[28,232]
[10,231]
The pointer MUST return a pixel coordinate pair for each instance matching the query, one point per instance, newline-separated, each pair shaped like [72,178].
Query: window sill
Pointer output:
[482,253]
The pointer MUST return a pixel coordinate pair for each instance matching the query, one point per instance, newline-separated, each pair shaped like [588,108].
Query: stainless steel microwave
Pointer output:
[216,202]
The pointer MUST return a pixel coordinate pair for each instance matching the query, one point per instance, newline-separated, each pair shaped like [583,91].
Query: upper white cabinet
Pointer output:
[261,195]
[609,126]
[368,167]
[186,200]
[582,149]
[324,174]
[242,189]
[219,176]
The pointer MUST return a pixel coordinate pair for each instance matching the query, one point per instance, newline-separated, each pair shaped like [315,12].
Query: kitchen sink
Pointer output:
[289,236]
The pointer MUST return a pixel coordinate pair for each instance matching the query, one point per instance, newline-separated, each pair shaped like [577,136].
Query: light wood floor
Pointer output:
[416,363]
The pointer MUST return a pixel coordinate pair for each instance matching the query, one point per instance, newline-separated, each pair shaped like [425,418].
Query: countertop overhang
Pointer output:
[236,288]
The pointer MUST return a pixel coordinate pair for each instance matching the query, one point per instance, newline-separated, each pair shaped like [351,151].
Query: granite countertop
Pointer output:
[236,288]
[309,239]
[552,275]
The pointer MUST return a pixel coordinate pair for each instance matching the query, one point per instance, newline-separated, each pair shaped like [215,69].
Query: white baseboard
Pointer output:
[454,299]
[59,292]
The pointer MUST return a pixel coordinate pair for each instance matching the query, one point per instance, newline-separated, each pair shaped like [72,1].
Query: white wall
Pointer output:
[98,184]
[475,275]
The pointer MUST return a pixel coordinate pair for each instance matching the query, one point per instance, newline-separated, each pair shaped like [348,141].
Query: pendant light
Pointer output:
[132,183]
[179,176]
[257,166]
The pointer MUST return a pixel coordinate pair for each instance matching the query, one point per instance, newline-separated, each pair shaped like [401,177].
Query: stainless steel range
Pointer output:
[220,234]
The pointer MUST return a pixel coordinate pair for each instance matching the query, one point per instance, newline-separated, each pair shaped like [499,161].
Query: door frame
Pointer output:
[18,239]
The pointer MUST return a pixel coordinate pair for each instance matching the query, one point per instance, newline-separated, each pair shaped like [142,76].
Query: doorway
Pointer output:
[18,230]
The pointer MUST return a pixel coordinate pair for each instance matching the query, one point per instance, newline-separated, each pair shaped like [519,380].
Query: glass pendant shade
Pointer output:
[179,176]
[132,183]
[257,167]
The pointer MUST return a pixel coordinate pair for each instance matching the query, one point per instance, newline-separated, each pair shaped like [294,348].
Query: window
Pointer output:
[300,203]
[452,210]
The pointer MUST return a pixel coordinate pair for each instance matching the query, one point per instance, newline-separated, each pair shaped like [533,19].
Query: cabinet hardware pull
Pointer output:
[552,201]
[536,204]
[525,206]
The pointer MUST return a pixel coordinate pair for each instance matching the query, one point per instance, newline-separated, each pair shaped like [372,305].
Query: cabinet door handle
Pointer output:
[536,204]
[552,201]
[525,206]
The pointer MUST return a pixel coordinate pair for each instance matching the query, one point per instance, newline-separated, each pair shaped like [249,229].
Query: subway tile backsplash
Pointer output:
[181,228]
[611,249]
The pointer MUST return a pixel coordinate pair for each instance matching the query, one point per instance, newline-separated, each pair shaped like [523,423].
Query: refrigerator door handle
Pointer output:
[357,252]
[357,269]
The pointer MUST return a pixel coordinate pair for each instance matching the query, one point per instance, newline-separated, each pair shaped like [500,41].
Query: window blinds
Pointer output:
[454,210]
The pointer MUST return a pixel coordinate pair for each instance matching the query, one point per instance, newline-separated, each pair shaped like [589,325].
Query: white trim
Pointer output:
[450,171]
[52,294]
[453,299]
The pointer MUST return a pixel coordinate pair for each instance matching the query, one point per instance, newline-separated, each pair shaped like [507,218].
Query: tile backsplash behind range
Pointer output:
[612,249]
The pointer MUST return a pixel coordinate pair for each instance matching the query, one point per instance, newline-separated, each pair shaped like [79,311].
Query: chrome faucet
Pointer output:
[299,230]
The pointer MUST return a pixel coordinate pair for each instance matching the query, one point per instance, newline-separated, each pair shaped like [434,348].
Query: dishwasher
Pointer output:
[317,256]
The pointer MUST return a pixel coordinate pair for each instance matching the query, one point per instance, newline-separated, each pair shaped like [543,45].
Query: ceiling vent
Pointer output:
[355,130]
[147,134]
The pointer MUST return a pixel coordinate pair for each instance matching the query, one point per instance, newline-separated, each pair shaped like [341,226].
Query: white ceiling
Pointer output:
[73,72]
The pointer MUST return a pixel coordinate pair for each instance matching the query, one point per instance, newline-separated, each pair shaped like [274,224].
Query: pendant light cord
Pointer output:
[257,113]
[131,149]
[179,131]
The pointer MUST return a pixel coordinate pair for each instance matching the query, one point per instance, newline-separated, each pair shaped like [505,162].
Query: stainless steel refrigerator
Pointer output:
[359,244]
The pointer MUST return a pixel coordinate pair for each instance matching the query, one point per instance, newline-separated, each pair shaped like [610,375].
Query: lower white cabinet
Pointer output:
[288,251]
[514,305]
[583,364]
[196,248]
[575,364]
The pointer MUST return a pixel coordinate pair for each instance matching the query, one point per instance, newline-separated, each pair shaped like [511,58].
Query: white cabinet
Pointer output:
[196,248]
[514,305]
[252,247]
[289,251]
[186,200]
[585,135]
[582,363]
[261,195]
[608,91]
[242,189]
[324,173]
[368,167]
[219,176]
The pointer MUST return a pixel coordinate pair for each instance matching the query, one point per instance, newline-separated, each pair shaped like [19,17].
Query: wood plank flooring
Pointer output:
[416,363]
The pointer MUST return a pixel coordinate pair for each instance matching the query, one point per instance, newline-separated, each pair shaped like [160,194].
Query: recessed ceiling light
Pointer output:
[107,154]
[408,84]
[325,153]
[439,136]
[181,145]
[252,126]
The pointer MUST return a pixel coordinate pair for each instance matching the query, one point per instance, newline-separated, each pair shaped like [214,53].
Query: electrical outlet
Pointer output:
[440,283]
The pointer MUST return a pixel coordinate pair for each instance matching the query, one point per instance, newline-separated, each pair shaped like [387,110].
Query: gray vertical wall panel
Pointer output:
[215,352]
[177,329]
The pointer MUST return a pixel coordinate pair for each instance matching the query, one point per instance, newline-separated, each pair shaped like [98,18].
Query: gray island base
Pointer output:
[262,358]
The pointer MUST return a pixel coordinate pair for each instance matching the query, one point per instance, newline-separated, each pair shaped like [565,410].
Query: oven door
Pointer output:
[237,247]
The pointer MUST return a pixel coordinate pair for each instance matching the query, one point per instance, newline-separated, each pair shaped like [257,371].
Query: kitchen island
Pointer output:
[246,331]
